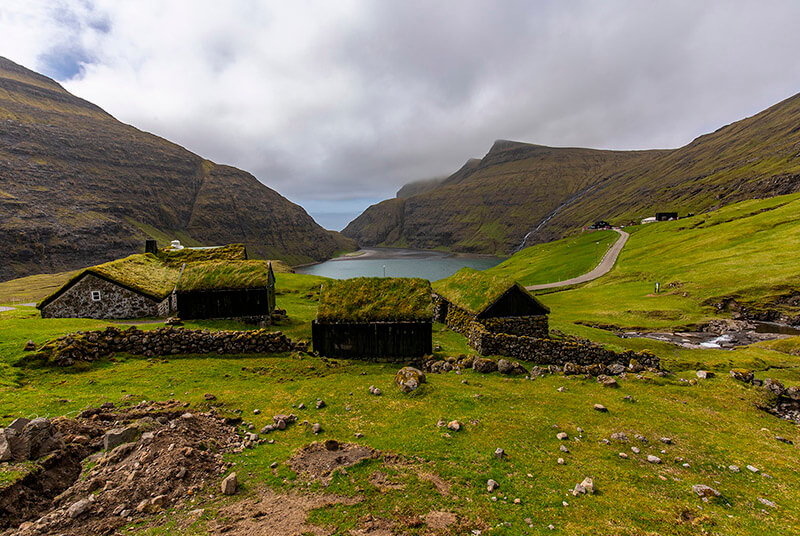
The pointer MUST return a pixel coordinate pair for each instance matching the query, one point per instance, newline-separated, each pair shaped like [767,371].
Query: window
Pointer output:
[95,295]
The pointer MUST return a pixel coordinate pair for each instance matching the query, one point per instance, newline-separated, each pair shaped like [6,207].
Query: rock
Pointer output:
[635,450]
[742,375]
[752,469]
[320,404]
[30,346]
[301,406]
[563,436]
[375,390]
[588,484]
[483,365]
[209,397]
[734,468]
[666,440]
[607,381]
[5,448]
[784,440]
[616,369]
[18,444]
[18,425]
[640,438]
[504,366]
[118,436]
[256,411]
[409,379]
[623,455]
[619,436]
[230,484]
[491,485]
[601,408]
[499,453]
[635,366]
[705,491]
[767,502]
[454,426]
[560,461]
[563,448]
[42,437]
[793,392]
[79,508]
[561,389]
[653,459]
[774,386]
[704,374]
[316,428]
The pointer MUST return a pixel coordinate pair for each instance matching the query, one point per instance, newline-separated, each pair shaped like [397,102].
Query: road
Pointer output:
[605,266]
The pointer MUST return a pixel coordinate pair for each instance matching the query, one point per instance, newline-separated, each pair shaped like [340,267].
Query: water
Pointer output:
[431,265]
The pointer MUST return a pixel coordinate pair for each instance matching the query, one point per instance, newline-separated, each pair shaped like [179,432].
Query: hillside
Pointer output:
[491,205]
[79,188]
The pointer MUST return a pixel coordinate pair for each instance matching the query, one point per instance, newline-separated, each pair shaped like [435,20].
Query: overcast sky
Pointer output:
[336,104]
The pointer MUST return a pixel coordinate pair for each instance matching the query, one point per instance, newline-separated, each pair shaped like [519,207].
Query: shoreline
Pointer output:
[389,253]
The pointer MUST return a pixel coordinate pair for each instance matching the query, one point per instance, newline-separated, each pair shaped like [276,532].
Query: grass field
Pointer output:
[712,423]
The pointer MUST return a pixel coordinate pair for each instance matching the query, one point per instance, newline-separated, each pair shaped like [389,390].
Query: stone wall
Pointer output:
[115,302]
[543,351]
[458,319]
[440,306]
[92,345]
[527,326]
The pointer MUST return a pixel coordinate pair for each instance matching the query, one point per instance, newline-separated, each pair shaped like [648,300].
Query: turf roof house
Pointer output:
[380,319]
[500,304]
[192,282]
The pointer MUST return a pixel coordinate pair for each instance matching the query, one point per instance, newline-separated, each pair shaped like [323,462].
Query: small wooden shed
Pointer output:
[381,319]
[500,304]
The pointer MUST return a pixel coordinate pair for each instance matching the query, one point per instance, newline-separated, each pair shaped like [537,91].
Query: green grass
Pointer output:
[222,275]
[375,299]
[230,252]
[32,288]
[556,261]
[473,290]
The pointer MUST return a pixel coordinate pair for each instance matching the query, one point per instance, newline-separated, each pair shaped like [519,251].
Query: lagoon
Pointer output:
[396,262]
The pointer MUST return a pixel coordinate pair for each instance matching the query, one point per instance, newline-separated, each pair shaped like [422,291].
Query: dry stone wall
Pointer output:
[114,302]
[543,351]
[92,345]
[527,326]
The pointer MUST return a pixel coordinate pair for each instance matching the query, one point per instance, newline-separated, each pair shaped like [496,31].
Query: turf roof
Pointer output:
[224,275]
[473,290]
[231,252]
[375,299]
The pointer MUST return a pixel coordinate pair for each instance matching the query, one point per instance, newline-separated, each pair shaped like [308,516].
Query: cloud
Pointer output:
[348,100]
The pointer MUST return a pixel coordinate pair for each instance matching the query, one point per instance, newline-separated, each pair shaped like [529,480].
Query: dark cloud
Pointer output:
[339,103]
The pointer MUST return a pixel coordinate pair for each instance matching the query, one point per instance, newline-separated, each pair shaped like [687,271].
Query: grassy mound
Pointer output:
[473,290]
[375,299]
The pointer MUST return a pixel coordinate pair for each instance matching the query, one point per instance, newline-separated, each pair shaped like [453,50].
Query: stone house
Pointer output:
[374,318]
[499,304]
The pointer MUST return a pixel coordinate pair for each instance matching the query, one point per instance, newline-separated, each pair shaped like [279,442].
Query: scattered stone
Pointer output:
[742,375]
[409,379]
[563,448]
[616,369]
[491,485]
[784,440]
[767,502]
[504,366]
[256,411]
[734,468]
[635,450]
[623,455]
[18,425]
[316,428]
[561,389]
[619,436]
[320,404]
[586,486]
[483,365]
[230,484]
[666,440]
[118,436]
[499,453]
[209,397]
[640,438]
[562,436]
[601,408]
[653,459]
[628,398]
[607,381]
[30,346]
[454,425]
[561,461]
[273,465]
[705,491]
[301,406]
[752,469]
[374,390]
[79,508]
[704,374]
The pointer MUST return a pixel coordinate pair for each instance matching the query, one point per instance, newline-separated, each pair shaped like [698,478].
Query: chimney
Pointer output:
[150,246]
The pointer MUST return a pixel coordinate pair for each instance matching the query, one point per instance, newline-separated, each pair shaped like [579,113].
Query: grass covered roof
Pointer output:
[231,252]
[473,290]
[375,299]
[227,275]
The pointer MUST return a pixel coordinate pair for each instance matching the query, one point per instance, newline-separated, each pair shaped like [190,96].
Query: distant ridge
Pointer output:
[77,188]
[520,190]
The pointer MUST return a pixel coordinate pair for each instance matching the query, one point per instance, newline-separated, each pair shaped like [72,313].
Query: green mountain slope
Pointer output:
[521,194]
[77,187]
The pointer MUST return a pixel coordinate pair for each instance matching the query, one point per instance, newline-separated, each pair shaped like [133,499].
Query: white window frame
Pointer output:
[96,296]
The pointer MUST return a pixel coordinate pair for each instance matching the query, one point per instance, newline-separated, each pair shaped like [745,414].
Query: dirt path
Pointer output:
[605,266]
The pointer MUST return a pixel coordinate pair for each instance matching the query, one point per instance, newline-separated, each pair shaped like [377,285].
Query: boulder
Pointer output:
[18,425]
[5,448]
[653,459]
[409,379]
[616,369]
[704,374]
[455,426]
[30,346]
[491,485]
[793,392]
[607,381]
[230,484]
[635,366]
[571,369]
[774,386]
[79,508]
[43,438]
[742,375]
[316,428]
[705,491]
[118,436]
[483,365]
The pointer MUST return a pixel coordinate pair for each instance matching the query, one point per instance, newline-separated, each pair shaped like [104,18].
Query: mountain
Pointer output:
[520,194]
[78,187]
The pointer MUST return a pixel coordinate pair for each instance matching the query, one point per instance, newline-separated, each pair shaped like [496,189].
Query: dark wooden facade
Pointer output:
[235,303]
[374,341]
[514,302]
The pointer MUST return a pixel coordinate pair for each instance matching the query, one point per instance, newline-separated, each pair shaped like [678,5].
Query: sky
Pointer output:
[337,104]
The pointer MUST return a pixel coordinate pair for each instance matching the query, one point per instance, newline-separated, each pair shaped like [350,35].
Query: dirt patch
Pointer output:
[442,486]
[84,490]
[318,461]
[273,513]
[381,480]
[374,526]
[439,520]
